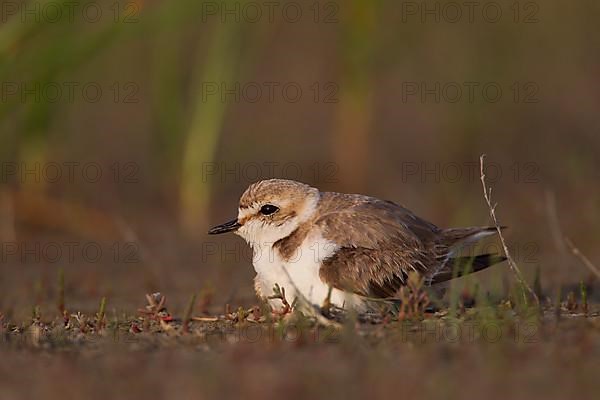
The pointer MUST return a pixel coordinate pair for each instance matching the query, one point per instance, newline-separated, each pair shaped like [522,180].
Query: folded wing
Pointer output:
[380,242]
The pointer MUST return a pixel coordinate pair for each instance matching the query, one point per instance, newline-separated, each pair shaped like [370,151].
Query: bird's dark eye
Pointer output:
[268,209]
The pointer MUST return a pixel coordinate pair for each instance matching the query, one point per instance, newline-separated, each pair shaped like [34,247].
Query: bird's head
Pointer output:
[270,210]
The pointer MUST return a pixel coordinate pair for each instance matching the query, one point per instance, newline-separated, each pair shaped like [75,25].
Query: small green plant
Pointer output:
[584,299]
[100,320]
[36,314]
[241,315]
[558,305]
[188,313]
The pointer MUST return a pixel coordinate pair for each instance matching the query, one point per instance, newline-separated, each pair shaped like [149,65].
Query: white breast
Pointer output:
[298,274]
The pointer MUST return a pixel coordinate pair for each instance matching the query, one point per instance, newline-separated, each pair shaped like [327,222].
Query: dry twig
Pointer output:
[156,309]
[487,193]
[582,258]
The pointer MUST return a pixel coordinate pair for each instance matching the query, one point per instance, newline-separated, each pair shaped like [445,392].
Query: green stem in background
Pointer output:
[101,313]
[40,53]
[353,120]
[206,125]
[15,29]
[168,106]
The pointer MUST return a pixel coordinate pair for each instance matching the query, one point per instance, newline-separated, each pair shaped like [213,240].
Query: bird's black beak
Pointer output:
[226,227]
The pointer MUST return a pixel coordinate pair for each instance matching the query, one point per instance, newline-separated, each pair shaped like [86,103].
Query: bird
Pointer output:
[348,249]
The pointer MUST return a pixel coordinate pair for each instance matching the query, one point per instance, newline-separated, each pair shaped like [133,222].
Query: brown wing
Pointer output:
[380,243]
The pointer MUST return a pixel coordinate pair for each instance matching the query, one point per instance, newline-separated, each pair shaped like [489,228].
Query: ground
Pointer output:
[505,350]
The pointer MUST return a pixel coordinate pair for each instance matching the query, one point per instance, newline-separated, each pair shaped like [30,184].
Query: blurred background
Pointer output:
[129,128]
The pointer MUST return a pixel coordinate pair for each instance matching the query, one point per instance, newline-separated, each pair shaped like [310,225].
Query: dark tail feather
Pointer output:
[460,236]
[460,266]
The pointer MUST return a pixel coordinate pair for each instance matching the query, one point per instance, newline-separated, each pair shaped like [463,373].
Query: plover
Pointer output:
[361,247]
